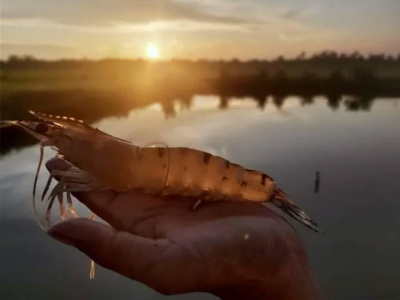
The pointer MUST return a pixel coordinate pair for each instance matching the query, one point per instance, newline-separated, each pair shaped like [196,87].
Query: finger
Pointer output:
[151,216]
[157,263]
[97,200]
[140,214]
[125,211]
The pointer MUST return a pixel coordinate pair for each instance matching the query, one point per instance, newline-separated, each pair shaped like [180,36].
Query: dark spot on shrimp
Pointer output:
[161,151]
[243,183]
[224,178]
[263,179]
[227,164]
[41,128]
[206,158]
[185,169]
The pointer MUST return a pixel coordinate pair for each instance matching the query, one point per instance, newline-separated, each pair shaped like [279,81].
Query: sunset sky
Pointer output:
[194,29]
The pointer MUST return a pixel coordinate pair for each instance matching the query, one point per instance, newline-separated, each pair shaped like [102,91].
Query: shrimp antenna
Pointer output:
[91,275]
[168,166]
[92,266]
[34,189]
[4,124]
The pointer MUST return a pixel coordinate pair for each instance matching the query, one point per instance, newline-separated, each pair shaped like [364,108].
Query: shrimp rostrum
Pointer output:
[102,161]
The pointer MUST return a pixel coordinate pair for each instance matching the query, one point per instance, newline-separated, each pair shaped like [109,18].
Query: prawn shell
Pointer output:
[199,174]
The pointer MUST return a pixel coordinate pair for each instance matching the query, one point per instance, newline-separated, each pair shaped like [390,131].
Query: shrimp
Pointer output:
[103,161]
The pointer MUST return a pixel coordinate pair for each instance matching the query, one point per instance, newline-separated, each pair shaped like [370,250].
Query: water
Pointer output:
[356,152]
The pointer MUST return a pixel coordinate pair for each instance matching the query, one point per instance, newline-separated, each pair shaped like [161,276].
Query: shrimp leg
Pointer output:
[46,188]
[196,205]
[71,206]
[63,214]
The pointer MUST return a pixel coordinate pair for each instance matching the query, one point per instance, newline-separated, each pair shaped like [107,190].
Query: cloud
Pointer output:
[124,16]
[105,13]
[205,28]
[290,13]
[181,25]
[303,12]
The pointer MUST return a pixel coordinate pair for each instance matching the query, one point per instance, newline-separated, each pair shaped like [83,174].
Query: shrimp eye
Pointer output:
[41,128]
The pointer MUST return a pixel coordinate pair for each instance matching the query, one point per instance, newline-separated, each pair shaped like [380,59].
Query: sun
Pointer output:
[152,51]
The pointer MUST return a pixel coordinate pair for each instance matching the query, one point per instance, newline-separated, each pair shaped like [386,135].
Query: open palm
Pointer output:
[233,250]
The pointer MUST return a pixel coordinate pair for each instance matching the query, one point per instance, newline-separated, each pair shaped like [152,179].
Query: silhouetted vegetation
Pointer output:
[91,90]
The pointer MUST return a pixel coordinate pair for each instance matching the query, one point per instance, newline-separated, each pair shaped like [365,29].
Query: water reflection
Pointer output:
[356,204]
[350,103]
[14,139]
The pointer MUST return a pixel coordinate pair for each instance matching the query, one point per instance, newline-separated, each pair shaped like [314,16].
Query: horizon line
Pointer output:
[305,56]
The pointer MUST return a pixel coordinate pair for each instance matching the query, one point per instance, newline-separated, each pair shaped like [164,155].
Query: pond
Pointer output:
[356,152]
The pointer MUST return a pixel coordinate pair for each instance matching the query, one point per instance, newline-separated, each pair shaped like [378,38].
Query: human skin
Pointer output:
[232,250]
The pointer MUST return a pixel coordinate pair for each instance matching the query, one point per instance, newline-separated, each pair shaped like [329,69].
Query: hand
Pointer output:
[232,250]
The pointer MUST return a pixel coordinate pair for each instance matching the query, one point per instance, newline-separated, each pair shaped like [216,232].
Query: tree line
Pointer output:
[326,56]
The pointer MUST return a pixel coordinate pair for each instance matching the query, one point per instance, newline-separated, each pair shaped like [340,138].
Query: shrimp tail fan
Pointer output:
[282,201]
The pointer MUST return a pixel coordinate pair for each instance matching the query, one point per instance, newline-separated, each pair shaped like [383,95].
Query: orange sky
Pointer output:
[194,29]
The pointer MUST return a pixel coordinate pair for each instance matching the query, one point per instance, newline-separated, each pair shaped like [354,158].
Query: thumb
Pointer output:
[133,256]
